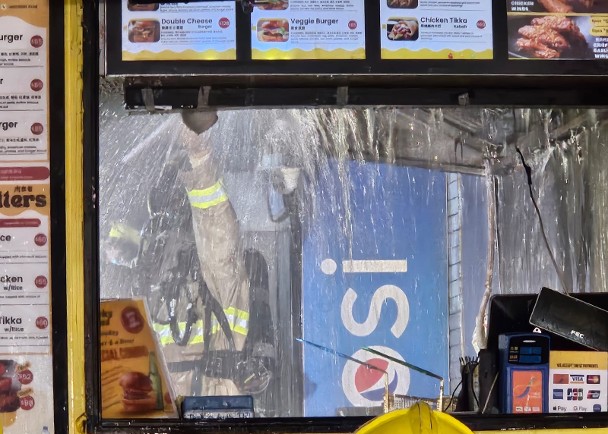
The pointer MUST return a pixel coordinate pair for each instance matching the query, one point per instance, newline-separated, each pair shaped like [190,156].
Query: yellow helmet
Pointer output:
[418,419]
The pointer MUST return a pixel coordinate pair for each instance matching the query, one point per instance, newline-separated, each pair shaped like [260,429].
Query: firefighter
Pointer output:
[216,233]
[189,211]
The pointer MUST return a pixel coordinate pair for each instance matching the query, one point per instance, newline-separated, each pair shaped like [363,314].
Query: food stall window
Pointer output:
[356,243]
[305,269]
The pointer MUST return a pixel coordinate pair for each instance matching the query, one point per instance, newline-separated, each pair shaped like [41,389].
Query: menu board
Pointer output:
[26,360]
[23,83]
[436,29]
[308,29]
[558,29]
[184,31]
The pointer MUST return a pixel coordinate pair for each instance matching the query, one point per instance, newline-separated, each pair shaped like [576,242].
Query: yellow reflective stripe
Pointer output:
[122,231]
[237,319]
[240,330]
[242,314]
[210,204]
[208,197]
[166,340]
[207,191]
[166,337]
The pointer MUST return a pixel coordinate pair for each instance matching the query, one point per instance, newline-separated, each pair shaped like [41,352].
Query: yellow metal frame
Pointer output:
[74,210]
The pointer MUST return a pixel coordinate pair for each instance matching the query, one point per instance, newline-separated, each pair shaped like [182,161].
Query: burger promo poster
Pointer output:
[179,31]
[133,373]
[428,29]
[304,29]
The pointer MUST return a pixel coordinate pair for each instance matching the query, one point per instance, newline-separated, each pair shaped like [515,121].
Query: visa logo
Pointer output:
[577,378]
[558,393]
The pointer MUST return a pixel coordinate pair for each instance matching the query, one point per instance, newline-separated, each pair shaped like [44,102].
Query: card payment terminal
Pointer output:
[524,372]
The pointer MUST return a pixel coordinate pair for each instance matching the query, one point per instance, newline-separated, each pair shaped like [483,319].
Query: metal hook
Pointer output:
[203,97]
[147,95]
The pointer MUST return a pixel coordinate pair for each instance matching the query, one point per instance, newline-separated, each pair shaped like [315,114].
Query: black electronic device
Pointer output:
[510,313]
[571,318]
[524,372]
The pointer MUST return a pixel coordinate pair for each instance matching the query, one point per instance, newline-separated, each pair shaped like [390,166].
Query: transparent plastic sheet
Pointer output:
[567,177]
[295,175]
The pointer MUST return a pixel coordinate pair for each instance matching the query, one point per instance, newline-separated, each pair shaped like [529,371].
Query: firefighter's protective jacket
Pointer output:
[216,233]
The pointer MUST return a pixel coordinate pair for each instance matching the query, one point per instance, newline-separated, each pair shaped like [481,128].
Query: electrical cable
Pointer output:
[528,170]
[485,406]
[452,397]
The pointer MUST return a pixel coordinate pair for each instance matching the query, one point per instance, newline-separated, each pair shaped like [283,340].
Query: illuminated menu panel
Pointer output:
[308,29]
[558,29]
[436,29]
[190,31]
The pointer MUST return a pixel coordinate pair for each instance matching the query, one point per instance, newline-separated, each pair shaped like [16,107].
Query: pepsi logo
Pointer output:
[364,386]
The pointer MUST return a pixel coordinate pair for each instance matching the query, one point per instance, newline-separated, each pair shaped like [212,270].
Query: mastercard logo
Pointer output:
[593,379]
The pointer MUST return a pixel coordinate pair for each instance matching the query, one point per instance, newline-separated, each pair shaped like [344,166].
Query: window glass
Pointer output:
[336,262]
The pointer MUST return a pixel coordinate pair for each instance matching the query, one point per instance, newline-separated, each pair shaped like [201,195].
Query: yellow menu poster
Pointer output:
[23,80]
[26,360]
[308,29]
[179,31]
[134,380]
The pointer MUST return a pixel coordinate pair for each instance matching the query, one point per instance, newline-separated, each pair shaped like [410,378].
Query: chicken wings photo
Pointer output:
[551,37]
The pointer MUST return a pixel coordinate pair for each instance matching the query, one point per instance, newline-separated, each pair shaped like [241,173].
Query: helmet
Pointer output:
[418,419]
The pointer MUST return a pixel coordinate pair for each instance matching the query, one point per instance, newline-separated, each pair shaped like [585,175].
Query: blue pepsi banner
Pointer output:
[374,275]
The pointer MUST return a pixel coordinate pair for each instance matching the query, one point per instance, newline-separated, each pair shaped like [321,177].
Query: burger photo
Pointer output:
[144,31]
[273,30]
[9,402]
[6,384]
[138,394]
